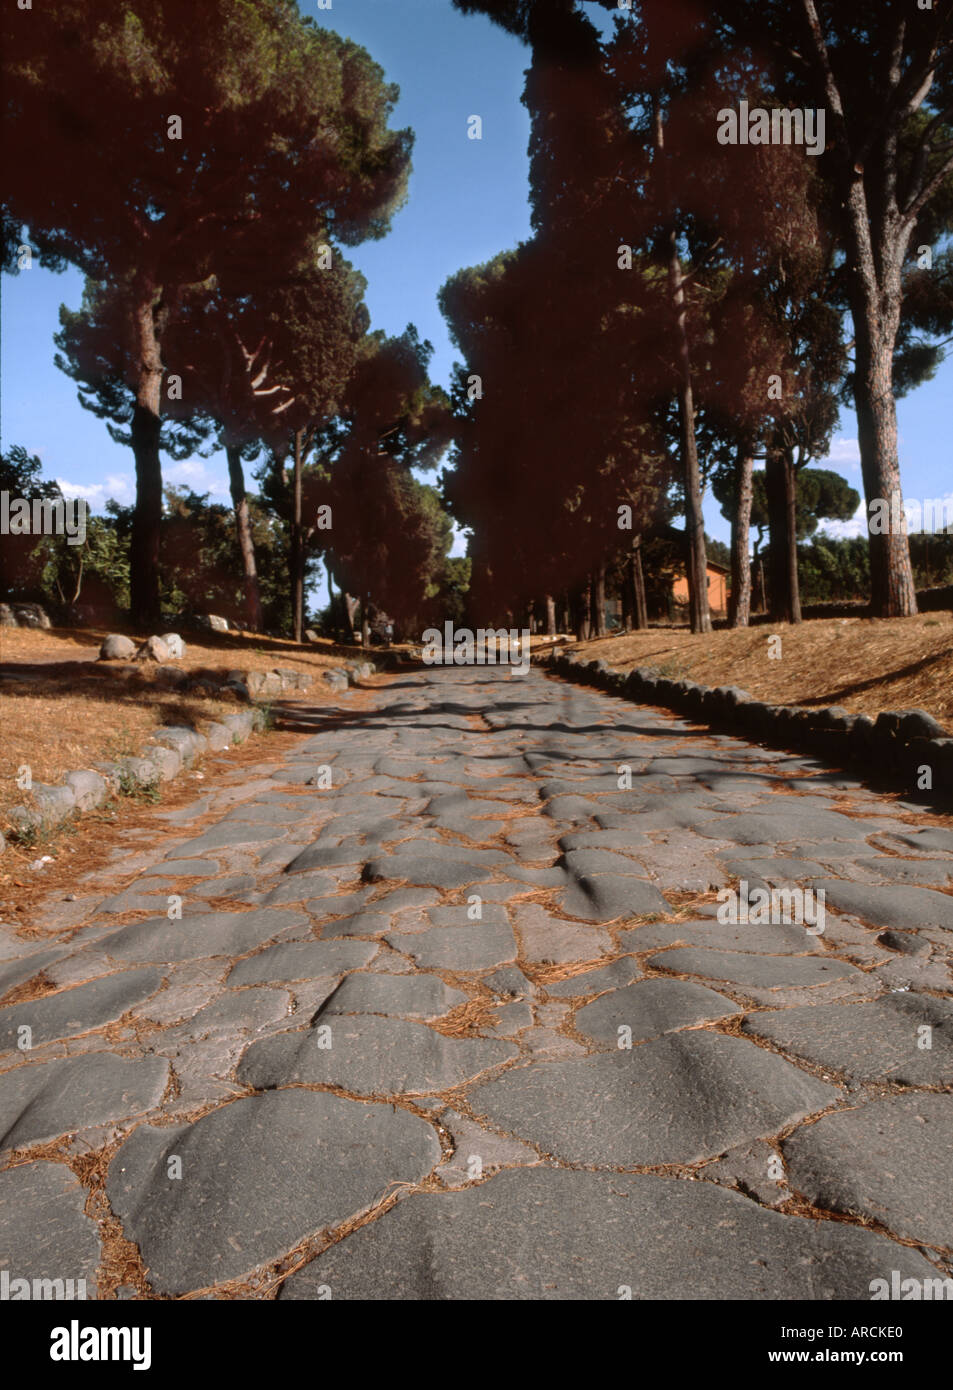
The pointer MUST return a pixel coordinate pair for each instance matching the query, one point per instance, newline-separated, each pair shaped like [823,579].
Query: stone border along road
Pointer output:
[381,1048]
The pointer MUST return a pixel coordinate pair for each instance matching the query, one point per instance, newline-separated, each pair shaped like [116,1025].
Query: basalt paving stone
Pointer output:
[605,897]
[223,887]
[189,868]
[276,856]
[897,905]
[650,1008]
[326,856]
[201,934]
[927,841]
[615,976]
[470,947]
[302,960]
[581,786]
[668,814]
[439,849]
[773,940]
[370,1055]
[40,1101]
[400,898]
[921,871]
[236,1012]
[545,938]
[681,1098]
[16,971]
[575,810]
[360,924]
[478,1152]
[458,915]
[888,1159]
[223,836]
[409,996]
[591,862]
[604,839]
[367,829]
[262,1173]
[761,971]
[45,1233]
[300,888]
[78,1010]
[880,1040]
[783,827]
[527,1234]
[337,905]
[270,813]
[685,765]
[429,869]
[773,870]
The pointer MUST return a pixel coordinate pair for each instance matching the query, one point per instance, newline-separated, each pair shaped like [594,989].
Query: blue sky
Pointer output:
[467,201]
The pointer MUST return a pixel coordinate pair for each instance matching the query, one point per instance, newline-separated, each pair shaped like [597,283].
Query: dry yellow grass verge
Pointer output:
[74,710]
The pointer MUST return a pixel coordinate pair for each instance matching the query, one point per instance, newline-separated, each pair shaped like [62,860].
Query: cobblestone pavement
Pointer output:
[449,1013]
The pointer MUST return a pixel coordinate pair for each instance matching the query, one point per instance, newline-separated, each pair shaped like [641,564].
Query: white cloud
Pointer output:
[196,474]
[844,451]
[843,530]
[117,485]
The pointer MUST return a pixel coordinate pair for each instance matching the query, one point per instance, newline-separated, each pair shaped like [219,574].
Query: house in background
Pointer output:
[717,589]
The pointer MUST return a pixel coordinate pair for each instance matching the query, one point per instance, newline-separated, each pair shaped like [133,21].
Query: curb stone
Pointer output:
[174,747]
[898,742]
[171,749]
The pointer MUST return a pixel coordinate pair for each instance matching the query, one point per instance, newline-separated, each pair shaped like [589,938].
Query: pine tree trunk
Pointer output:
[236,482]
[696,559]
[739,602]
[760,598]
[333,608]
[893,591]
[640,612]
[146,425]
[599,600]
[350,608]
[781,486]
[550,616]
[583,607]
[297,544]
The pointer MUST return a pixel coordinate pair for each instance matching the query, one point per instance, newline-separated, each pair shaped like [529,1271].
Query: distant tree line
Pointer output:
[690,312]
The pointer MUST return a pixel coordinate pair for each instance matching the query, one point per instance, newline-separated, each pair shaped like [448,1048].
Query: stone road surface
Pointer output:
[464,1023]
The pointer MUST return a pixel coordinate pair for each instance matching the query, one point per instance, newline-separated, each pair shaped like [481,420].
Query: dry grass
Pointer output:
[36,987]
[75,711]
[865,664]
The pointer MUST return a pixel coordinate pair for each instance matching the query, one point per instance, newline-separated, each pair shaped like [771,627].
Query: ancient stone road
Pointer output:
[465,1024]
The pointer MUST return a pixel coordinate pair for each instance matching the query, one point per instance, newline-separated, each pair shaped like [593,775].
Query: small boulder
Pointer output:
[171,675]
[115,647]
[153,649]
[175,645]
[6,616]
[31,615]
